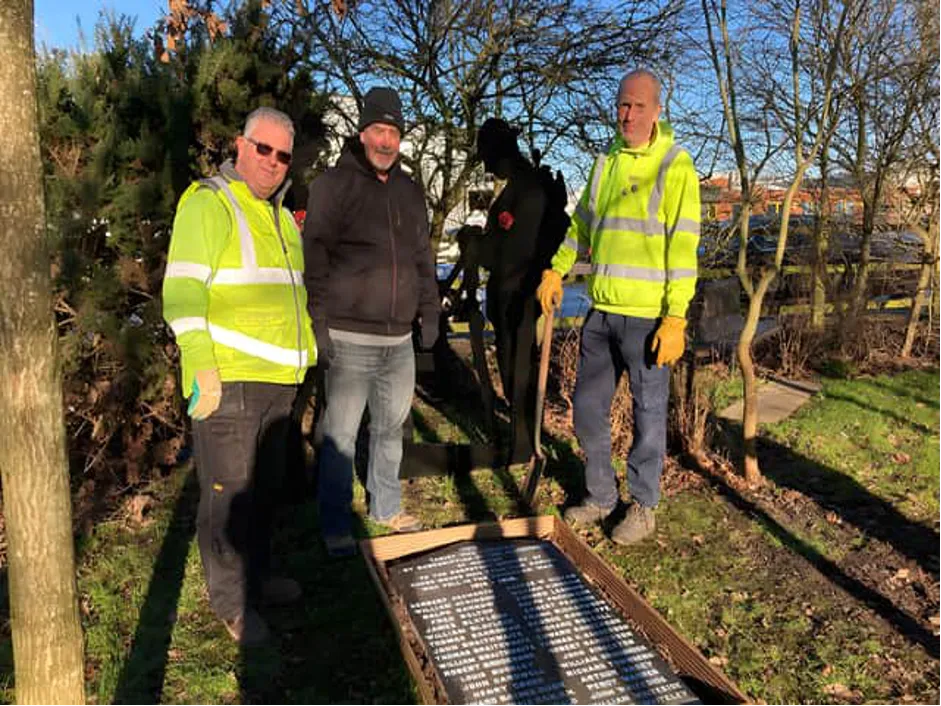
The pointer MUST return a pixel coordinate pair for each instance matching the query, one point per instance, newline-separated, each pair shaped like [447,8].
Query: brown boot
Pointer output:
[639,524]
[403,522]
[586,514]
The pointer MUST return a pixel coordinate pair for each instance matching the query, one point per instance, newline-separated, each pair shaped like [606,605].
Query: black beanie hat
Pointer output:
[381,105]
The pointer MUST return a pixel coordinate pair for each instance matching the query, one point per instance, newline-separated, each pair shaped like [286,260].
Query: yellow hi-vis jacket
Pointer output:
[639,219]
[233,290]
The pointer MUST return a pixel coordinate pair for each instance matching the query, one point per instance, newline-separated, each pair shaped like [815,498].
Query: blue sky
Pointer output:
[57,27]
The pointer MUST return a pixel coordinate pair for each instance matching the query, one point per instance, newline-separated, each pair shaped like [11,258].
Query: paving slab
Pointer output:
[778,399]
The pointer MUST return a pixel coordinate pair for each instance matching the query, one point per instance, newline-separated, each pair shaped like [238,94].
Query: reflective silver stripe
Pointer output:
[259,275]
[245,235]
[642,273]
[191,270]
[682,274]
[584,214]
[653,206]
[290,357]
[570,243]
[627,272]
[687,225]
[647,226]
[593,194]
[186,324]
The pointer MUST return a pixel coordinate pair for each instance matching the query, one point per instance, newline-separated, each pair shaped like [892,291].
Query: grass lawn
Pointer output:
[821,587]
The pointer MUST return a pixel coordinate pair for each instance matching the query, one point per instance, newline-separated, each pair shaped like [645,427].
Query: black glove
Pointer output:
[325,352]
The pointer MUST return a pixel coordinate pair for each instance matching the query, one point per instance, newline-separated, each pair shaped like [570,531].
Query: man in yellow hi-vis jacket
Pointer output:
[234,295]
[639,220]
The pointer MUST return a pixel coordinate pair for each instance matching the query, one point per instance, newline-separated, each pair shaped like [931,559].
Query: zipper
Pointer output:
[395,266]
[275,212]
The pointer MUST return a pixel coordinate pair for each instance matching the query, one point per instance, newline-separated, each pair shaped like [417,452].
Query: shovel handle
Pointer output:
[541,381]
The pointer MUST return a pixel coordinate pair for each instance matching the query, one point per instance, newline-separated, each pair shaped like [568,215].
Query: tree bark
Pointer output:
[47,635]
[818,282]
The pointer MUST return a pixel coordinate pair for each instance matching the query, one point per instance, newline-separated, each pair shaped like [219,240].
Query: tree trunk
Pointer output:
[47,635]
[750,465]
[928,267]
[861,286]
[437,230]
[751,469]
[818,287]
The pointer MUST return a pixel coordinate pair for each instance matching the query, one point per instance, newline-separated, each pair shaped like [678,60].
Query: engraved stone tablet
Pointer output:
[512,621]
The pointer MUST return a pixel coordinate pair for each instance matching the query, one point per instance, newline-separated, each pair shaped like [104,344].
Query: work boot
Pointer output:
[639,524]
[587,513]
[248,628]
[403,522]
[280,590]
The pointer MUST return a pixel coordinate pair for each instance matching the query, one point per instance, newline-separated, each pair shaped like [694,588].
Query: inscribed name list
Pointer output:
[513,621]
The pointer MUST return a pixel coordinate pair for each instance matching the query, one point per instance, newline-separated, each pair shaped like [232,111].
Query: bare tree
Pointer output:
[881,77]
[550,65]
[793,116]
[924,171]
[47,635]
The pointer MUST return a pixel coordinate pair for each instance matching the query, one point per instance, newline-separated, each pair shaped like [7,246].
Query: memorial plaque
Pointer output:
[513,621]
[523,610]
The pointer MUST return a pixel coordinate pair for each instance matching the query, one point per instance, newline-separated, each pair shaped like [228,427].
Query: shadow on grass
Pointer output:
[143,673]
[790,470]
[920,428]
[336,644]
[836,491]
[902,391]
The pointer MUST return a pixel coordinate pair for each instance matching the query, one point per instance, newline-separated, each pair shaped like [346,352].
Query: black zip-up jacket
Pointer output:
[367,254]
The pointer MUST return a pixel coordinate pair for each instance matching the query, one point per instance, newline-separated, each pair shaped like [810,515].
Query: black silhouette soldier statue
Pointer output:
[525,226]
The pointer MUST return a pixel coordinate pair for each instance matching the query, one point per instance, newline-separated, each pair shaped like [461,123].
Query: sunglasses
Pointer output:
[264,150]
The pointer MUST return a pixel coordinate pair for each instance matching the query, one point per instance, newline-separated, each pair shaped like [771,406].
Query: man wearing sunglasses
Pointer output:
[370,275]
[234,296]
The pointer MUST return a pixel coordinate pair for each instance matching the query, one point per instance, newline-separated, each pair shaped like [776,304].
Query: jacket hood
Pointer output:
[227,169]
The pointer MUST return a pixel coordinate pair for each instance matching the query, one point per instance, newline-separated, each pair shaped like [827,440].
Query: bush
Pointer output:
[123,132]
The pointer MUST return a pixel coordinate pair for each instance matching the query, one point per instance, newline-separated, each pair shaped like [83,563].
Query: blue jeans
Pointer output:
[384,378]
[611,344]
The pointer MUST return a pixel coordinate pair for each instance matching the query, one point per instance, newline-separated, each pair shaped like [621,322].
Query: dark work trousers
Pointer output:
[611,344]
[513,315]
[240,457]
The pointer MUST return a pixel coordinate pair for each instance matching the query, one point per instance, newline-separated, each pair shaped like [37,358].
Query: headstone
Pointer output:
[513,621]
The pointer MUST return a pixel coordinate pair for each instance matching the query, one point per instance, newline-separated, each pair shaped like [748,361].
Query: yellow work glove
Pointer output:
[669,341]
[549,292]
[207,394]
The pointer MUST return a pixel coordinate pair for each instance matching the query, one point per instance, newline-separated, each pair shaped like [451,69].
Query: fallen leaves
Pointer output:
[719,660]
[842,692]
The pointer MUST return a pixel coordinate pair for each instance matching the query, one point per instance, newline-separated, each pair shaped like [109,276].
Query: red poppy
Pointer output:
[299,217]
[505,219]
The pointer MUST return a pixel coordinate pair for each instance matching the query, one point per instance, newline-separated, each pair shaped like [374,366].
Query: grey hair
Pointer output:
[271,115]
[642,72]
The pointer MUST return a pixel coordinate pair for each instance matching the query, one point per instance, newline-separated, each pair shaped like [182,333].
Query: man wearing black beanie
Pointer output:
[370,275]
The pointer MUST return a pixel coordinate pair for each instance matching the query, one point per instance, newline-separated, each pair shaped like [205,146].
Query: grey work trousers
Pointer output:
[240,459]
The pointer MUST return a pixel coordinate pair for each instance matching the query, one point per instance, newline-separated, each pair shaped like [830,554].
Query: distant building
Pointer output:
[721,199]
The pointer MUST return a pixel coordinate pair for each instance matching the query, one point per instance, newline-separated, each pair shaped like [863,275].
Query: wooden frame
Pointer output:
[707,682]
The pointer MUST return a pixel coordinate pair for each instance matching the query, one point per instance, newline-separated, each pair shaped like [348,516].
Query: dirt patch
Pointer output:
[893,583]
